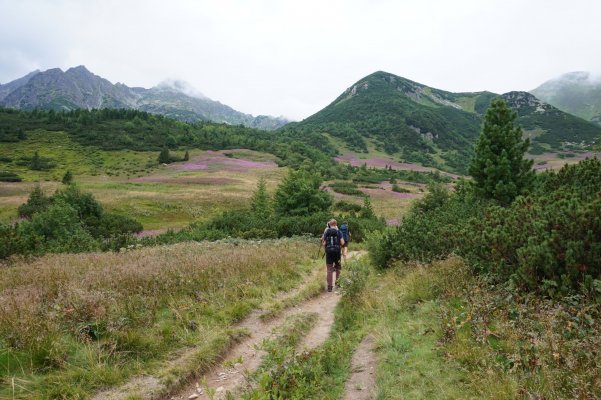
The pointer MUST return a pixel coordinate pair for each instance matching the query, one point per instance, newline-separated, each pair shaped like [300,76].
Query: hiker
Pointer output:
[332,241]
[346,235]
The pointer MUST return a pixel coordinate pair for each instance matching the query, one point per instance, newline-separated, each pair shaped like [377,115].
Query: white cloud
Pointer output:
[293,57]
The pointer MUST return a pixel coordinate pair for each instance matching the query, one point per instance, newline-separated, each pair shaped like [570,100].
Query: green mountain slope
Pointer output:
[577,93]
[417,123]
[401,117]
[550,128]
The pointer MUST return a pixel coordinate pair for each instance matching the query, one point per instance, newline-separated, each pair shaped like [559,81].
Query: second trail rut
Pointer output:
[231,375]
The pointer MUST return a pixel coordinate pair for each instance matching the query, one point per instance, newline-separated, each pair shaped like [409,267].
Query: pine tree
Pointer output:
[300,194]
[164,157]
[367,210]
[36,202]
[499,169]
[187,156]
[260,202]
[21,135]
[36,162]
[68,178]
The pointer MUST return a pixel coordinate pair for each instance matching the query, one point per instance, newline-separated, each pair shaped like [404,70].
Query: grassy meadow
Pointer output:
[133,183]
[159,196]
[74,324]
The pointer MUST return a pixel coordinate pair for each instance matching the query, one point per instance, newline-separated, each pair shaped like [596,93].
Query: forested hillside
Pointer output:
[417,123]
[115,129]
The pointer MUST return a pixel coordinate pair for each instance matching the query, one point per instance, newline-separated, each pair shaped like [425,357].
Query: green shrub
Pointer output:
[110,224]
[10,242]
[547,241]
[68,221]
[87,207]
[300,194]
[55,230]
[347,206]
[348,188]
[7,176]
[398,189]
[36,202]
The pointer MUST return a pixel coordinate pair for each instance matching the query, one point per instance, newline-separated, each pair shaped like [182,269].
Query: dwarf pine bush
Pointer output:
[546,241]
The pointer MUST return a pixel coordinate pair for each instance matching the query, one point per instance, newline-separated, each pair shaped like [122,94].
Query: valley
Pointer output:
[145,257]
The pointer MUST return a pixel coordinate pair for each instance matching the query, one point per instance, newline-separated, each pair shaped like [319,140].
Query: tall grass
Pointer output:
[71,324]
[444,333]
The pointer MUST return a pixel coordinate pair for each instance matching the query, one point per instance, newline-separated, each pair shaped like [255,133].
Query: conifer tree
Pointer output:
[499,169]
[164,157]
[367,210]
[300,193]
[260,202]
[68,178]
[36,202]
[36,162]
[187,156]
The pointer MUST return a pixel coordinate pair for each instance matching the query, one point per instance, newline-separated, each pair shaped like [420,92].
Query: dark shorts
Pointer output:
[332,258]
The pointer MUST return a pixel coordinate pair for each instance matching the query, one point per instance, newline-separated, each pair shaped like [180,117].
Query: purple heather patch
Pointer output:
[372,192]
[378,162]
[218,159]
[150,233]
[382,163]
[184,180]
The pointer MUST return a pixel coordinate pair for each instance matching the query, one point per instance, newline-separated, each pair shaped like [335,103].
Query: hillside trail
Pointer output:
[231,375]
[361,384]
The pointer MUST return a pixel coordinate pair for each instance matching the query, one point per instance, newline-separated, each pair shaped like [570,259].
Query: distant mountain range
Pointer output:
[79,88]
[388,113]
[578,93]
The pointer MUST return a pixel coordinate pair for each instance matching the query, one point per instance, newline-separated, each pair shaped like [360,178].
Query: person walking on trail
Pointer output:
[332,241]
[346,235]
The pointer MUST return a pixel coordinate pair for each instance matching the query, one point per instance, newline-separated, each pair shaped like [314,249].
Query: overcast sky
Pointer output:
[292,58]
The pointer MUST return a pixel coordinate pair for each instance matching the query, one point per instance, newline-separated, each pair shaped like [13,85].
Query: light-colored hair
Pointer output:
[333,222]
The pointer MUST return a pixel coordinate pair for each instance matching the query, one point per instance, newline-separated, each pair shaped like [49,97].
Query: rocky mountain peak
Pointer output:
[519,100]
[80,69]
[180,86]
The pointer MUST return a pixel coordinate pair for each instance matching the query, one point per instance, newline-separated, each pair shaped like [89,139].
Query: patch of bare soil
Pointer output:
[361,384]
[242,359]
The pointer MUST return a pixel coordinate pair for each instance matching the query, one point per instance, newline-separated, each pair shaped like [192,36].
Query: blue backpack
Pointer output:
[344,231]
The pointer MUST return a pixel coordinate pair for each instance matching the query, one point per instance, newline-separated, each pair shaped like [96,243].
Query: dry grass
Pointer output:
[72,324]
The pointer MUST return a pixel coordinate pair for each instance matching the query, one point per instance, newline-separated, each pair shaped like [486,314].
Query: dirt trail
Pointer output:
[361,384]
[246,356]
[241,359]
